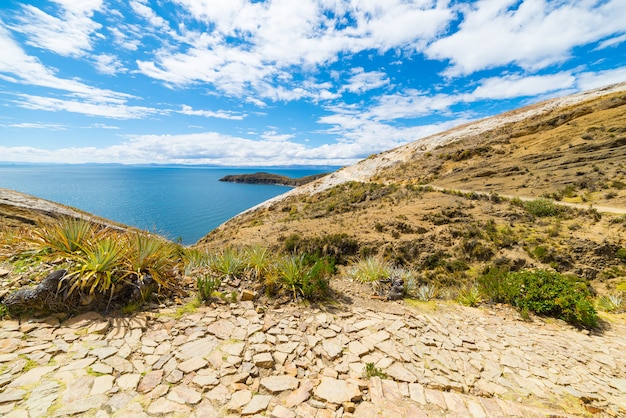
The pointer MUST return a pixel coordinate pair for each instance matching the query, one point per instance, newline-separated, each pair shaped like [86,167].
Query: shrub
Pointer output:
[371,371]
[299,276]
[338,246]
[257,261]
[492,284]
[621,254]
[542,292]
[542,208]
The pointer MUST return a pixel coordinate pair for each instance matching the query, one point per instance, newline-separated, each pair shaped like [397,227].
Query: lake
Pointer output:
[180,203]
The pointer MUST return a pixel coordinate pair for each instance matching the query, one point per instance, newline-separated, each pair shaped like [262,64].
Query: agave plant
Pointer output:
[229,263]
[470,296]
[371,270]
[426,292]
[258,261]
[65,237]
[610,303]
[148,254]
[100,266]
[289,272]
[195,259]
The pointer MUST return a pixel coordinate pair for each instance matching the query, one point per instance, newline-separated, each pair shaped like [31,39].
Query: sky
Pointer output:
[282,82]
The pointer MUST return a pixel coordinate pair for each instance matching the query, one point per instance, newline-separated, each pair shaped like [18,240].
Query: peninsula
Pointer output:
[268,178]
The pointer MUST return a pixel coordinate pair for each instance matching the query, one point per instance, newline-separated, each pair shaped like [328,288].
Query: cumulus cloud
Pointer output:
[69,34]
[531,34]
[273,38]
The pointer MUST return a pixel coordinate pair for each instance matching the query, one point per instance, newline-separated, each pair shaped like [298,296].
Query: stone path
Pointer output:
[302,362]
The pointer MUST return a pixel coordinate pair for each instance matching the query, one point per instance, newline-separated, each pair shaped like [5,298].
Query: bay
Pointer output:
[182,203]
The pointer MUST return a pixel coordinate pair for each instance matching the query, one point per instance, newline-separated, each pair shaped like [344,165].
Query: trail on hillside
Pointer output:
[602,209]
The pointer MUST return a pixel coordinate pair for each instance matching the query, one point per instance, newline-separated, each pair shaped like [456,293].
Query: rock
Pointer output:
[280,411]
[102,384]
[150,381]
[258,404]
[185,395]
[401,373]
[222,329]
[337,391]
[263,360]
[201,347]
[247,294]
[163,406]
[192,364]
[128,381]
[238,400]
[277,384]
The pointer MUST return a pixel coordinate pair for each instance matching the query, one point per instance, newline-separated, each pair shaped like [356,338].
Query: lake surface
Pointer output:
[181,203]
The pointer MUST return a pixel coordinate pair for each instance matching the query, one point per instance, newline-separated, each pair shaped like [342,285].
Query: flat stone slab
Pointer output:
[337,391]
[259,403]
[277,384]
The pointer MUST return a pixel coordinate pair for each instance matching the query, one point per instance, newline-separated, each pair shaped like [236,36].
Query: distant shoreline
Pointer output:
[267,178]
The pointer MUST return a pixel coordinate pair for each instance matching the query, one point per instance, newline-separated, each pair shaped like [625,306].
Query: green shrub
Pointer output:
[257,260]
[542,208]
[299,275]
[371,371]
[492,283]
[621,254]
[544,293]
[149,254]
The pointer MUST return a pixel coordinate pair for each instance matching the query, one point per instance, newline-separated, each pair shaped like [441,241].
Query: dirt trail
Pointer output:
[602,209]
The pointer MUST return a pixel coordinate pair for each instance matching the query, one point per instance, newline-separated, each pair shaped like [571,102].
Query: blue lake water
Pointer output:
[181,203]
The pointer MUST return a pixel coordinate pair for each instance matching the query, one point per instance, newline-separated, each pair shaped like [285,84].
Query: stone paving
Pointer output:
[235,360]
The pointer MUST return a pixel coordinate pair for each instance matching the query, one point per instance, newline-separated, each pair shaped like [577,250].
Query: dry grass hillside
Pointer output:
[543,186]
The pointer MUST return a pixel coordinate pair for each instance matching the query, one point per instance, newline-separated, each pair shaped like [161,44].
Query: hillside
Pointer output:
[450,204]
[187,332]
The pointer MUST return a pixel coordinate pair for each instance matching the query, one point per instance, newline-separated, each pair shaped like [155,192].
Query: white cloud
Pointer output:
[532,34]
[220,114]
[511,86]
[275,136]
[18,67]
[38,125]
[612,42]
[362,81]
[109,64]
[592,80]
[278,38]
[70,34]
[85,107]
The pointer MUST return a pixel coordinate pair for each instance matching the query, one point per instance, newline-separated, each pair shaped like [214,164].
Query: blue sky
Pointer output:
[284,82]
